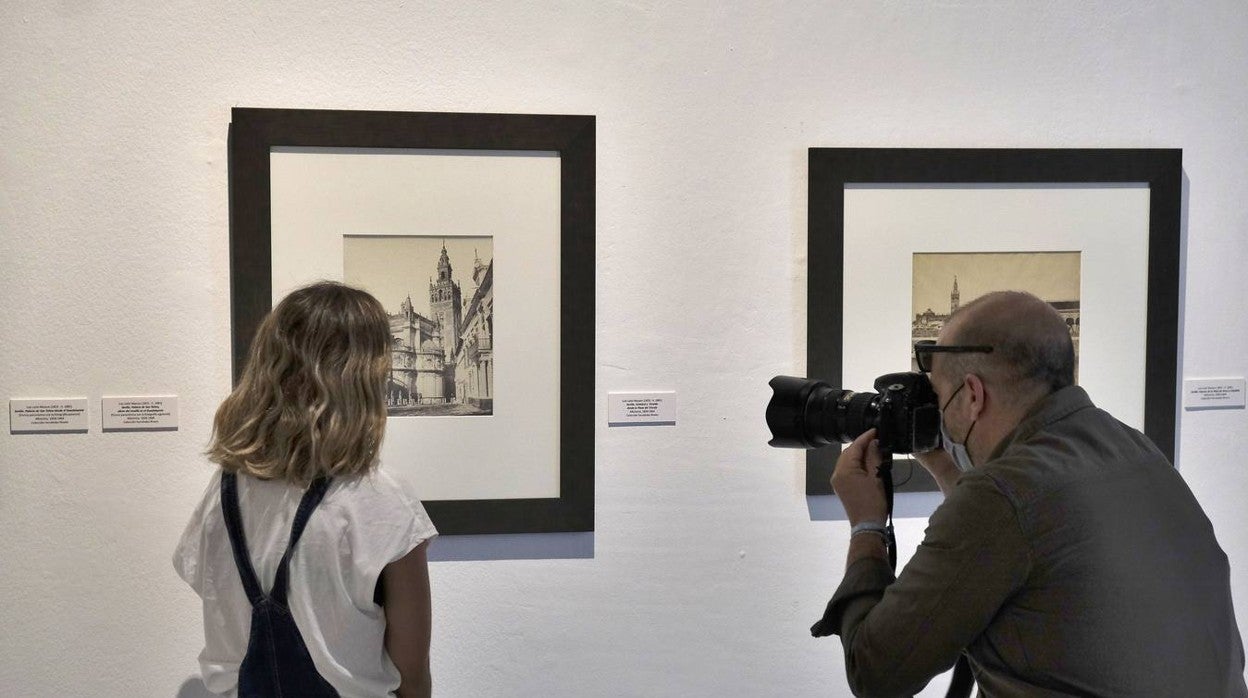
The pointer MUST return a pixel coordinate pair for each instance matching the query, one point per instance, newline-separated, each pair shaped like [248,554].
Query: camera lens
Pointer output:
[806,413]
[855,413]
[789,412]
[810,413]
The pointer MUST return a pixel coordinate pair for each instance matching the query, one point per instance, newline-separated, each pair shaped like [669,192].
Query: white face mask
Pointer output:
[961,456]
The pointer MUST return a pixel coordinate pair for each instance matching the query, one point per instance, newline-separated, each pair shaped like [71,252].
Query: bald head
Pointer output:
[1031,348]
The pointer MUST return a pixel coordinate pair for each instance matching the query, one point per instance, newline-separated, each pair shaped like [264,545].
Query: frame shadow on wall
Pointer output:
[513,546]
[193,687]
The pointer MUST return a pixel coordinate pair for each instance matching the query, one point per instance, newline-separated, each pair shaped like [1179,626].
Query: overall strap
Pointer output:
[238,542]
[234,525]
[311,498]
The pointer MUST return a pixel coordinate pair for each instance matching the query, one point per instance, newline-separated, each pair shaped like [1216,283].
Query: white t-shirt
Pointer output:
[363,524]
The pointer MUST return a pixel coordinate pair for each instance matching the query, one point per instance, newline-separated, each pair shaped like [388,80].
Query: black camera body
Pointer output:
[805,413]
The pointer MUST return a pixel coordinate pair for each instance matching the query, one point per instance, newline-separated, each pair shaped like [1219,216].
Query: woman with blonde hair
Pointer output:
[299,508]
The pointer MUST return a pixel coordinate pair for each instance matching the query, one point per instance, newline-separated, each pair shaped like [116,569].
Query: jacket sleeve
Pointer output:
[899,634]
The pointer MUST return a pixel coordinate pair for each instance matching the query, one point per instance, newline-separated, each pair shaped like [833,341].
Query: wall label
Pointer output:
[48,415]
[1206,393]
[641,409]
[154,413]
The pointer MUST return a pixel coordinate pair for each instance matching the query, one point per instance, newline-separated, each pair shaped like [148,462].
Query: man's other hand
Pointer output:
[940,464]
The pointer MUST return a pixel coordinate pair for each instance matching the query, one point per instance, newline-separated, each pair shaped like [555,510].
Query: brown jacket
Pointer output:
[1075,562]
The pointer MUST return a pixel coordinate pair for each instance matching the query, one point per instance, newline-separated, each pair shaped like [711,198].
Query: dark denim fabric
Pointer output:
[277,662]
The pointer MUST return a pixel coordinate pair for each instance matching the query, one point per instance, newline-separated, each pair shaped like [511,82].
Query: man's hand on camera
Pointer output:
[856,482]
[940,464]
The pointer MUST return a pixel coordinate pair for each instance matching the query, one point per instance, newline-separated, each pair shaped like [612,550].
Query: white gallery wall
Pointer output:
[706,568]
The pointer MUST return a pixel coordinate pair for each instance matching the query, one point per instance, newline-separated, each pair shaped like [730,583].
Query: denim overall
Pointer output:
[277,662]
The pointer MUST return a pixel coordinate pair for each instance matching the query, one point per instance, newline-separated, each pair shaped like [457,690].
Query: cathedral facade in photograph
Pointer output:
[442,360]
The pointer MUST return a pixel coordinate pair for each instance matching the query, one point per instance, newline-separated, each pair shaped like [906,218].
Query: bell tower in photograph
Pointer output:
[445,305]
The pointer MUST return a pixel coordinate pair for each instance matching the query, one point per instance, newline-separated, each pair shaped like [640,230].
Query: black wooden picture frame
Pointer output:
[831,170]
[254,133]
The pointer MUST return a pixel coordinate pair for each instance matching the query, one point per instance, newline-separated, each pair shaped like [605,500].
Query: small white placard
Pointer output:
[151,413]
[48,415]
[1213,392]
[646,409]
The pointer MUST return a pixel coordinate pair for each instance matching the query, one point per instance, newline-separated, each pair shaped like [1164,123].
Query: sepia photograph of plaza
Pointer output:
[944,281]
[439,293]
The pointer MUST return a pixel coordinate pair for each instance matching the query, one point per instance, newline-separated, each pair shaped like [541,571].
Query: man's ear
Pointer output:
[979,394]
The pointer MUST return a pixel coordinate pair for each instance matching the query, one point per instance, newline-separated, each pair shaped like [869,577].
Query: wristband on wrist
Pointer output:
[870,527]
[867,526]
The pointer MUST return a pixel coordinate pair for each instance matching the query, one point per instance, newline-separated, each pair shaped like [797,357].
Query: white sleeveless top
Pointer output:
[363,524]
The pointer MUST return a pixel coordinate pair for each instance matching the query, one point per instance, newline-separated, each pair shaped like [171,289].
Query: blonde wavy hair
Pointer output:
[311,400]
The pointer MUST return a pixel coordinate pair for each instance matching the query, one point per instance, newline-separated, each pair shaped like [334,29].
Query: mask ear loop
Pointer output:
[951,397]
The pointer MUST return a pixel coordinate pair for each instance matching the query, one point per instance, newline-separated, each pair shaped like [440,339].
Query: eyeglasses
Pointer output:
[924,348]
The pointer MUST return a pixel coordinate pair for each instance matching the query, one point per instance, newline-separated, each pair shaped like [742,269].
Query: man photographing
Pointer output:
[1069,558]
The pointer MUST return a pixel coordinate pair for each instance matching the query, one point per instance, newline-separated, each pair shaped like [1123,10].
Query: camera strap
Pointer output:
[963,681]
[885,473]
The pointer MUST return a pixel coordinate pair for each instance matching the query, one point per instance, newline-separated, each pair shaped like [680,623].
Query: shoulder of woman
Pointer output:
[384,499]
[381,488]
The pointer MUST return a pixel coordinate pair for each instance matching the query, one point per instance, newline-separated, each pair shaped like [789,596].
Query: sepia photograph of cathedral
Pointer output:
[944,281]
[439,293]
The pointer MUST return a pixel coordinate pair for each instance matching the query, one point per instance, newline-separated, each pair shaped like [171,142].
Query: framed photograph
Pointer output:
[899,238]
[476,233]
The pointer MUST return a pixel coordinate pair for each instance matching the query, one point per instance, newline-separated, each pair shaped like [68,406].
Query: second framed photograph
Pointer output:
[476,233]
[900,238]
